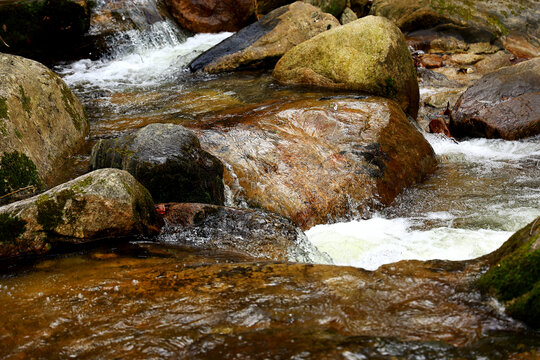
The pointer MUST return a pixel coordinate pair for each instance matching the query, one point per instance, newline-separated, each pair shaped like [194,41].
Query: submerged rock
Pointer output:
[43,30]
[253,233]
[368,55]
[104,203]
[212,16]
[168,160]
[318,160]
[41,123]
[264,42]
[504,104]
[514,274]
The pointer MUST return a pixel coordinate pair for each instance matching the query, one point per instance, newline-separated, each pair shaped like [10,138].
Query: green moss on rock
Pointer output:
[3,109]
[25,101]
[17,171]
[69,103]
[51,210]
[527,307]
[11,228]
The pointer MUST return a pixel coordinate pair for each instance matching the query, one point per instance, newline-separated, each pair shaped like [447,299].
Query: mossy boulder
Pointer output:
[334,7]
[368,55]
[514,274]
[43,30]
[261,44]
[168,160]
[101,204]
[41,123]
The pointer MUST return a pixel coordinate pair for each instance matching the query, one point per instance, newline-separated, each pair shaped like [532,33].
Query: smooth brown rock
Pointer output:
[212,16]
[431,61]
[438,126]
[252,233]
[520,46]
[261,44]
[39,115]
[317,160]
[347,16]
[368,55]
[104,203]
[504,104]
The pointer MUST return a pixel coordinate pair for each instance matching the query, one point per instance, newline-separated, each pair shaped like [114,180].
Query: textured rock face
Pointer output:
[368,55]
[46,31]
[253,233]
[39,116]
[334,7]
[104,203]
[264,42]
[504,104]
[212,16]
[514,275]
[168,160]
[317,160]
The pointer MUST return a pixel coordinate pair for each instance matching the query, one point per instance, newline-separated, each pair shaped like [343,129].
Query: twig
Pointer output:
[3,41]
[533,225]
[19,190]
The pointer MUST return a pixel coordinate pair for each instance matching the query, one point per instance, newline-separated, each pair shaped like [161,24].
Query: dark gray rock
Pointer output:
[168,160]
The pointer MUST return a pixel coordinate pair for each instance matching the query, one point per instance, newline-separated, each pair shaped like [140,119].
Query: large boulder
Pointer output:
[471,20]
[43,30]
[368,55]
[41,123]
[104,203]
[262,44]
[212,16]
[252,233]
[503,104]
[514,274]
[168,160]
[318,160]
[334,7]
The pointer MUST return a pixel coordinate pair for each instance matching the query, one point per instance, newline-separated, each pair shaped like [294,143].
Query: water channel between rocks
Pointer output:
[124,300]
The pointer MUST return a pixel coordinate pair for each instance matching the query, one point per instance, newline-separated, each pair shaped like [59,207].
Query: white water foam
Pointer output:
[146,66]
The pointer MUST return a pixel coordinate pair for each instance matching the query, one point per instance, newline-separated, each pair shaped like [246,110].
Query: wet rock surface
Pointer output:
[368,55]
[146,300]
[212,16]
[503,104]
[168,160]
[334,7]
[316,160]
[261,44]
[104,203]
[253,233]
[41,123]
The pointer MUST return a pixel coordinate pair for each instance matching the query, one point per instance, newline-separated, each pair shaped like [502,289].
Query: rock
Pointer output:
[253,233]
[46,31]
[431,61]
[334,7]
[104,203]
[493,62]
[347,16]
[360,7]
[264,42]
[504,104]
[438,126]
[265,6]
[168,160]
[318,160]
[514,274]
[368,55]
[212,16]
[41,123]
[520,46]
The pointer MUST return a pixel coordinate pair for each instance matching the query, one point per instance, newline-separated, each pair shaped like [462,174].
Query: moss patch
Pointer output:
[25,101]
[11,227]
[3,109]
[51,210]
[17,171]
[527,307]
[69,103]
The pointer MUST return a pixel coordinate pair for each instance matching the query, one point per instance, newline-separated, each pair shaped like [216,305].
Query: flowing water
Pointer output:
[142,300]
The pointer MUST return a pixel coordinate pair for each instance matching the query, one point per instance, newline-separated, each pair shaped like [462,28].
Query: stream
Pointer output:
[123,300]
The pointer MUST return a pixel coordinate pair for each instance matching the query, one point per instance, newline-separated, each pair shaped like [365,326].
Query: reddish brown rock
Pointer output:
[211,16]
[316,160]
[438,126]
[431,61]
[520,46]
[504,104]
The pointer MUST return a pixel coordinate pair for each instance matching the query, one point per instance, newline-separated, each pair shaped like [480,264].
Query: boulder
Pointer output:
[318,160]
[347,16]
[104,203]
[168,160]
[262,44]
[253,233]
[46,31]
[368,55]
[360,7]
[334,7]
[41,123]
[265,6]
[503,104]
[514,274]
[212,16]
